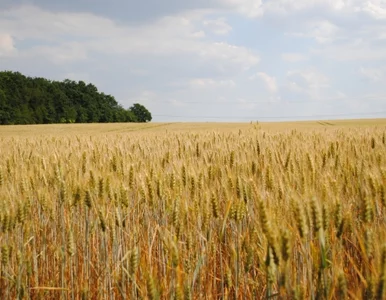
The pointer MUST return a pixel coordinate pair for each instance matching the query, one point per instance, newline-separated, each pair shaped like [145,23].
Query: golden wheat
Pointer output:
[209,212]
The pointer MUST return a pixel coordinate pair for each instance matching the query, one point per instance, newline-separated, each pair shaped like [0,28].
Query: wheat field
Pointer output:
[193,211]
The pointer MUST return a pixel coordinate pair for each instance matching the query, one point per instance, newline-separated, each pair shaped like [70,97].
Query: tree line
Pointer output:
[27,100]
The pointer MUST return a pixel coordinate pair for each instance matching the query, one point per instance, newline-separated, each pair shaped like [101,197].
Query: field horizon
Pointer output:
[95,128]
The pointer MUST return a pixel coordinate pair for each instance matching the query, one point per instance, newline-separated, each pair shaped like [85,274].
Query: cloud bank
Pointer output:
[222,59]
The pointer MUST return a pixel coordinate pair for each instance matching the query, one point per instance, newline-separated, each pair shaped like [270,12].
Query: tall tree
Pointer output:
[141,113]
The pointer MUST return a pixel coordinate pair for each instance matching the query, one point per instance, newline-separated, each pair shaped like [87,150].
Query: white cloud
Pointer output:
[375,8]
[61,54]
[168,36]
[360,49]
[218,26]
[309,81]
[322,31]
[311,77]
[28,22]
[199,83]
[295,87]
[344,7]
[145,97]
[351,38]
[198,34]
[250,8]
[6,44]
[269,81]
[293,57]
[178,58]
[221,51]
[291,6]
[374,74]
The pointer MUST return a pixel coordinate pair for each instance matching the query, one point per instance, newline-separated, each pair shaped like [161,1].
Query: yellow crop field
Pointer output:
[193,211]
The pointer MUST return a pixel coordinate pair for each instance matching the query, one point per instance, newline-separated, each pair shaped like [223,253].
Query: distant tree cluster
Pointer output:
[26,100]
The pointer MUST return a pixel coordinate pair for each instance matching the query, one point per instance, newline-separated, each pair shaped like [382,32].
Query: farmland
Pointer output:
[193,210]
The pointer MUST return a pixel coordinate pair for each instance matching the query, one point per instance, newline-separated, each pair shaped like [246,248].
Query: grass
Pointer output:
[193,210]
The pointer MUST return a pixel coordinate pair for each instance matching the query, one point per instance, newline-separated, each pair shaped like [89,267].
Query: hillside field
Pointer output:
[286,210]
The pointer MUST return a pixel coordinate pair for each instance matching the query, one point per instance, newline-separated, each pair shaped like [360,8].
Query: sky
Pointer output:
[209,60]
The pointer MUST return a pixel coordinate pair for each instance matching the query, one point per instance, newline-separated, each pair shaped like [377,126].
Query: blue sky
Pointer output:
[213,60]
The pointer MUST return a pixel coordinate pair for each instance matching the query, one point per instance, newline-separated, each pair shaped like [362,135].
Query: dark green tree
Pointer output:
[4,110]
[26,100]
[141,113]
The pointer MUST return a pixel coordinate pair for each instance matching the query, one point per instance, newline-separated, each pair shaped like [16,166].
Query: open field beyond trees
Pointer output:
[291,210]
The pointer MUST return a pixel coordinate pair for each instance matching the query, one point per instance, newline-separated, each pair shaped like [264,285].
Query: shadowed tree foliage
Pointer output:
[27,100]
[141,113]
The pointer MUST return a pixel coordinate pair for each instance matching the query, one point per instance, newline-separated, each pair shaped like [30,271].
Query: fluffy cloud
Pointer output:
[210,83]
[373,74]
[60,54]
[310,82]
[375,8]
[6,44]
[250,8]
[311,77]
[71,36]
[293,57]
[269,81]
[218,26]
[290,6]
[343,32]
[323,31]
[176,56]
[352,50]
